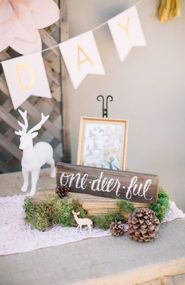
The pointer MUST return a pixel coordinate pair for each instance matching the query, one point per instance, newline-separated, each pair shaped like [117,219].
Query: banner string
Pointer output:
[105,23]
[92,30]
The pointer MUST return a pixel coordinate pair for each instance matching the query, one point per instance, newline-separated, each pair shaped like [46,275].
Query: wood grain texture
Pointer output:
[132,186]
[64,35]
[94,205]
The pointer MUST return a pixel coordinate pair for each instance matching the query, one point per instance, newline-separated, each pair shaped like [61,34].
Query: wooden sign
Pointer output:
[131,186]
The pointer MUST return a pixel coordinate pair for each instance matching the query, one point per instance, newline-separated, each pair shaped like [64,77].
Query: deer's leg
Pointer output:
[25,174]
[51,162]
[34,179]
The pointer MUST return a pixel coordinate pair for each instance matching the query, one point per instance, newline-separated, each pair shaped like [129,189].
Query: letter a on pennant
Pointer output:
[126,31]
[81,57]
[25,76]
[81,53]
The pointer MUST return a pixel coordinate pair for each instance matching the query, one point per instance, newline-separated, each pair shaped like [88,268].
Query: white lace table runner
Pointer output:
[17,237]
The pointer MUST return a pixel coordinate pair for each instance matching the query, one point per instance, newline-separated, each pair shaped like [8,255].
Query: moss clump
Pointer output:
[52,211]
[161,207]
[44,214]
[66,218]
[124,206]
[103,221]
[55,211]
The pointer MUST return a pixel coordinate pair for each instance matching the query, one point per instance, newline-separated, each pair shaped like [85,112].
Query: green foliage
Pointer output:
[44,214]
[103,221]
[66,218]
[47,213]
[161,207]
[125,206]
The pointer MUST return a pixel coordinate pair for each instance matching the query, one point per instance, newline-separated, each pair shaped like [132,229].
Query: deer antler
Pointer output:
[39,125]
[23,126]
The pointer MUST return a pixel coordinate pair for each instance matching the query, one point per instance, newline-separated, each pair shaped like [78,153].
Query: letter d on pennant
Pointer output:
[26,71]
[26,76]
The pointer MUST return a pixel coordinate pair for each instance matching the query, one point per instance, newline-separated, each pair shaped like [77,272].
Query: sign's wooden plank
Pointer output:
[131,186]
[94,205]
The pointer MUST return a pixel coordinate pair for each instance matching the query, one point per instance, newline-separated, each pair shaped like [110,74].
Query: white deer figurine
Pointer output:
[82,221]
[33,156]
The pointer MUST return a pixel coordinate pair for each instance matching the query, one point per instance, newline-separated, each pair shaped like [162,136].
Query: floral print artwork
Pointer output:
[103,145]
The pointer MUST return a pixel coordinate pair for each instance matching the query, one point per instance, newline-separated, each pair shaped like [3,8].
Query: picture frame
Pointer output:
[103,143]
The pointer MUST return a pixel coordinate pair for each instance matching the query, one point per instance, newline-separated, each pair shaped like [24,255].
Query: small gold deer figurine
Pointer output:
[82,221]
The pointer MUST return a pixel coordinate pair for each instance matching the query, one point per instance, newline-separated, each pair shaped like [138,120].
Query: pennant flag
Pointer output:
[26,76]
[81,57]
[126,31]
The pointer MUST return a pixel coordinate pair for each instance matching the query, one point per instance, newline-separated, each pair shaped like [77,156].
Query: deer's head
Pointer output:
[26,136]
[75,213]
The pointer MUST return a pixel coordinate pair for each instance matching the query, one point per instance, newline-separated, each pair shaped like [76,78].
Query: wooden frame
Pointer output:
[115,162]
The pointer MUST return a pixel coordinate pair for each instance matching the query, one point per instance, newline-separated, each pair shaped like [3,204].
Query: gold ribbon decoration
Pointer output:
[169,9]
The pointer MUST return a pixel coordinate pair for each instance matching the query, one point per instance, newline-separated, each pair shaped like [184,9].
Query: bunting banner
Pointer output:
[126,31]
[81,57]
[25,76]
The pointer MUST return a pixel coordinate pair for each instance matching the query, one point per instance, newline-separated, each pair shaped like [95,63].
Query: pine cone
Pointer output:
[143,225]
[117,228]
[62,191]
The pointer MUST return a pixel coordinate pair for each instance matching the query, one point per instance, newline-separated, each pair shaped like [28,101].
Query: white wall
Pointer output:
[148,89]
